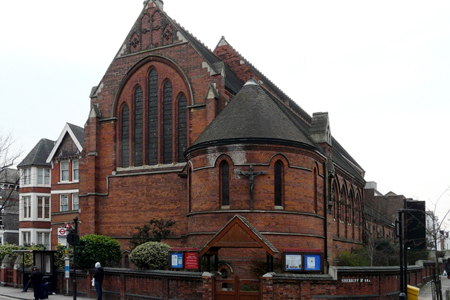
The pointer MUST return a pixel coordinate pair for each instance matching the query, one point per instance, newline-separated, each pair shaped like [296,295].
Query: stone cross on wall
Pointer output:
[251,174]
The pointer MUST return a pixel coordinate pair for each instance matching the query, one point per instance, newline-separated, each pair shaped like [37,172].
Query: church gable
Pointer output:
[153,29]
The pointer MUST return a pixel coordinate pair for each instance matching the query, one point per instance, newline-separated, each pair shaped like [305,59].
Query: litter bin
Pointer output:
[412,292]
[44,291]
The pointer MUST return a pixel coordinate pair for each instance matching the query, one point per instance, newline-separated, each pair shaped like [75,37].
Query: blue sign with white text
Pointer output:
[176,260]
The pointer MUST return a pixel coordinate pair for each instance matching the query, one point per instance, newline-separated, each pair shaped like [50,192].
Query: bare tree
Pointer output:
[8,154]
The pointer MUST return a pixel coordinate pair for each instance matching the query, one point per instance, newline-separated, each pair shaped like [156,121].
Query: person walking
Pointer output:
[36,280]
[98,277]
[27,285]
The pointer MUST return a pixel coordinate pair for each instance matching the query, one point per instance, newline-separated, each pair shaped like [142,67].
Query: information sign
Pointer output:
[62,231]
[176,260]
[293,262]
[191,260]
[312,262]
[66,268]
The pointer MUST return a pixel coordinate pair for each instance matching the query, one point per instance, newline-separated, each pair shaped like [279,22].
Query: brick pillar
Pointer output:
[267,286]
[208,286]
[6,264]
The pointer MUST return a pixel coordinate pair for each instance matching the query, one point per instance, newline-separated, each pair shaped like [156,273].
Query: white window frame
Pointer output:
[75,170]
[26,176]
[43,238]
[61,202]
[75,202]
[26,238]
[47,175]
[43,206]
[63,171]
[40,176]
[26,207]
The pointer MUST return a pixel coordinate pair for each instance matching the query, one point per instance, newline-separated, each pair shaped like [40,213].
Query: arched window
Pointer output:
[182,127]
[342,199]
[278,182]
[138,126]
[225,183]
[153,118]
[351,209]
[334,208]
[157,116]
[125,138]
[167,123]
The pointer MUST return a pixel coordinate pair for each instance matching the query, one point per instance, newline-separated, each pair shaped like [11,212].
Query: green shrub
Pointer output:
[29,256]
[97,248]
[151,255]
[60,256]
[7,249]
[352,258]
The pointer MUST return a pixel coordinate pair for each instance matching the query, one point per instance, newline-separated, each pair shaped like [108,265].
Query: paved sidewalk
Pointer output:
[425,291]
[8,292]
[16,293]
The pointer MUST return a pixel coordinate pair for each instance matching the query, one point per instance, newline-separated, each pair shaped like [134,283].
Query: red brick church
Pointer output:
[177,131]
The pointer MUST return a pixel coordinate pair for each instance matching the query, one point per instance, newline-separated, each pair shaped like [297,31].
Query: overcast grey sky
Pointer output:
[381,69]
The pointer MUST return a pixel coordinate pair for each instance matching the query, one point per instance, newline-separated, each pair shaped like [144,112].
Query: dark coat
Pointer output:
[98,275]
[36,277]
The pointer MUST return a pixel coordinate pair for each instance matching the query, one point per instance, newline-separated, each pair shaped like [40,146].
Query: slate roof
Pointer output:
[79,133]
[254,115]
[266,81]
[38,155]
[232,81]
[345,161]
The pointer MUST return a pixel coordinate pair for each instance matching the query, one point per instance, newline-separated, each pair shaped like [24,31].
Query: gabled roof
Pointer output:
[239,233]
[232,81]
[38,155]
[76,133]
[266,81]
[254,116]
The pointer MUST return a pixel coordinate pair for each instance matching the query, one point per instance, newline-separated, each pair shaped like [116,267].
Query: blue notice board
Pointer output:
[312,262]
[176,260]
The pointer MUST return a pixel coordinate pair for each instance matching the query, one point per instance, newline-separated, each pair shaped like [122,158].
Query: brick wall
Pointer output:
[353,282]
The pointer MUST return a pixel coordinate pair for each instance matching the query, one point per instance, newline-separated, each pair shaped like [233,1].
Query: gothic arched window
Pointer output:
[278,183]
[156,95]
[182,127]
[138,126]
[225,183]
[167,123]
[153,117]
[125,138]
